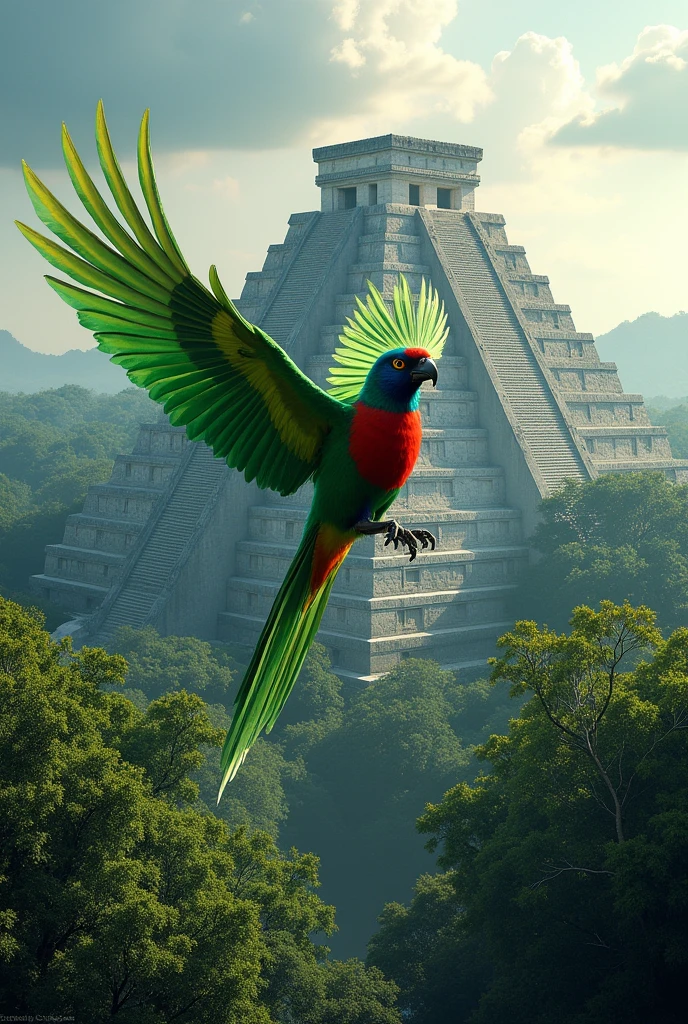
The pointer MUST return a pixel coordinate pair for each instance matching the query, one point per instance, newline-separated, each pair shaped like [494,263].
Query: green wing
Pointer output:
[374,331]
[222,378]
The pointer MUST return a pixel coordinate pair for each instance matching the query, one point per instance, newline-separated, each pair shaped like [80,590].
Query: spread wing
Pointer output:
[221,377]
[374,331]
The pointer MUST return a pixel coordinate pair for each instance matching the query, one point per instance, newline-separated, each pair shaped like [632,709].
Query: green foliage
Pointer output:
[53,446]
[393,735]
[256,797]
[368,772]
[564,898]
[346,779]
[316,698]
[158,665]
[15,499]
[117,896]
[22,544]
[620,537]
[71,405]
[675,420]
[167,744]
[440,967]
[353,994]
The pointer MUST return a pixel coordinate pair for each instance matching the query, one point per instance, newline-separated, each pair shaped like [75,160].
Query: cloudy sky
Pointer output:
[581,108]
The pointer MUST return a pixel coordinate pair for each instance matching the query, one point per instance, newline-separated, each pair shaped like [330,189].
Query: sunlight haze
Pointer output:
[580,111]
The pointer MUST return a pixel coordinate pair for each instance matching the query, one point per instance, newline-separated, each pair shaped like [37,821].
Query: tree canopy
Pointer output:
[53,445]
[345,772]
[119,894]
[564,897]
[675,419]
[621,537]
[369,770]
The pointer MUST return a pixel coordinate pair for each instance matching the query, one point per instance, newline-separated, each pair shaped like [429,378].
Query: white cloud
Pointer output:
[345,13]
[392,48]
[648,91]
[348,53]
[537,86]
[183,161]
[228,188]
[370,67]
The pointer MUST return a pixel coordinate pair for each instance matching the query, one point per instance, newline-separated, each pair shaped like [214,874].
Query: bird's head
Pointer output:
[394,380]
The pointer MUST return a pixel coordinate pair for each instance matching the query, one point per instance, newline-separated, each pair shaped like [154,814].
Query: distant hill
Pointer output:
[661,403]
[22,369]
[651,353]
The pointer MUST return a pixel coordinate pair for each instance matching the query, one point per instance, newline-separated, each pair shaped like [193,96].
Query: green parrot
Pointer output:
[237,390]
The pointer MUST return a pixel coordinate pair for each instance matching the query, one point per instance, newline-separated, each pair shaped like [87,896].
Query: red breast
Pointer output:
[385,445]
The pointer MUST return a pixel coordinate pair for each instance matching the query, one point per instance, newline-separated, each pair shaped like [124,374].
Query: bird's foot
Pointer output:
[397,534]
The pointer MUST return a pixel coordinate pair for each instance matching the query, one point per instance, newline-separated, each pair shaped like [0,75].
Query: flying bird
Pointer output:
[237,390]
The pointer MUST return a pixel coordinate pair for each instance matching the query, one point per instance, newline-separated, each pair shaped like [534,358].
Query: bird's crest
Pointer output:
[374,330]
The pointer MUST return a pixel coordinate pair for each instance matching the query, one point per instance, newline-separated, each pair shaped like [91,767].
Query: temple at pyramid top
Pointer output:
[397,169]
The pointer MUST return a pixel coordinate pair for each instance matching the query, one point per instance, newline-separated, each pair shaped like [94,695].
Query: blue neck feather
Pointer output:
[390,389]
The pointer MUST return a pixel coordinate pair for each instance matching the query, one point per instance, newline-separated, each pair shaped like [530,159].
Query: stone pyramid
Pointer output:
[177,540]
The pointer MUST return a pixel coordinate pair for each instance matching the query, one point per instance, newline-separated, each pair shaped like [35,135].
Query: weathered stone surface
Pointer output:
[177,539]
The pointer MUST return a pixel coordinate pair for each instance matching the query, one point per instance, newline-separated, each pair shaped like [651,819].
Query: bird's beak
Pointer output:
[426,370]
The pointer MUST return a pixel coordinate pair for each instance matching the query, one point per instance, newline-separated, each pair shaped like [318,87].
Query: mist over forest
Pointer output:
[434,847]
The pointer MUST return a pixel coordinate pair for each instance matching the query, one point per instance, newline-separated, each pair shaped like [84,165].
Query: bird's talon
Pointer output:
[397,534]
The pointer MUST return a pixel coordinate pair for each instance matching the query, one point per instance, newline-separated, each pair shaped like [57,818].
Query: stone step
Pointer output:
[389,247]
[633,443]
[453,528]
[77,595]
[519,374]
[97,567]
[305,274]
[543,304]
[366,659]
[144,470]
[367,618]
[385,275]
[675,470]
[131,601]
[345,302]
[600,409]
[94,533]
[388,572]
[436,488]
[393,218]
[130,503]
[577,381]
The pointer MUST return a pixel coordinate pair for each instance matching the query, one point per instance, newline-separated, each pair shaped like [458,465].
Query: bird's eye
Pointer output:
[398,364]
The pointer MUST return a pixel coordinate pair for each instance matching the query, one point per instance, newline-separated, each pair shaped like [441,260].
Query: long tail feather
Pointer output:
[282,647]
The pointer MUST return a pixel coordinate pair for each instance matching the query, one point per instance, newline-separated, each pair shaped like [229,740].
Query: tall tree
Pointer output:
[622,537]
[119,898]
[569,858]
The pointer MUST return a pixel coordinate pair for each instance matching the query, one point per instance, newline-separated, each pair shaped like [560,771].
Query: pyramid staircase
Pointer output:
[528,398]
[612,430]
[164,546]
[447,605]
[98,541]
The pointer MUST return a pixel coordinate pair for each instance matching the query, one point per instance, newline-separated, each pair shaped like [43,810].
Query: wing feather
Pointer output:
[217,374]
